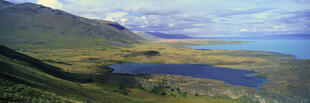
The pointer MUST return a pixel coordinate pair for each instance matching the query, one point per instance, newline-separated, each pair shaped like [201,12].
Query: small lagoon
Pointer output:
[231,76]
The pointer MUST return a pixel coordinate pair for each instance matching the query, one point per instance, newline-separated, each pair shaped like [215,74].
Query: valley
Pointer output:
[51,56]
[95,62]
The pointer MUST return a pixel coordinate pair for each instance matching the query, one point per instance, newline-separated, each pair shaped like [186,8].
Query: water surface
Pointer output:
[231,76]
[296,47]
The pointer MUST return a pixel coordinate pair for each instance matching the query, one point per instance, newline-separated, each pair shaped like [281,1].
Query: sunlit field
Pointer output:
[268,65]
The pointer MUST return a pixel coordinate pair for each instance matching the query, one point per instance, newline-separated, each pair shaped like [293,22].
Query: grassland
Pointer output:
[25,79]
[85,60]
[288,78]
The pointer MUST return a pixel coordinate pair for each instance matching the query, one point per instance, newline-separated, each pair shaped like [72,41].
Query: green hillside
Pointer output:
[36,25]
[25,79]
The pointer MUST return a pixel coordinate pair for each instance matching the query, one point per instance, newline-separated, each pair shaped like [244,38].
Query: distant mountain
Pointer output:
[147,36]
[169,36]
[290,36]
[35,24]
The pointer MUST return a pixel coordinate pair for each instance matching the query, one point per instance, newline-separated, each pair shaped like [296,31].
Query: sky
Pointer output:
[199,18]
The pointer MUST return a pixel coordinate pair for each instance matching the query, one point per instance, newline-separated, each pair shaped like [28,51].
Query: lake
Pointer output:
[231,76]
[296,47]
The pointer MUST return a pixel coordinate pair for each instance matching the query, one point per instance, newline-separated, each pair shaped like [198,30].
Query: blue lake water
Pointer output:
[231,76]
[300,48]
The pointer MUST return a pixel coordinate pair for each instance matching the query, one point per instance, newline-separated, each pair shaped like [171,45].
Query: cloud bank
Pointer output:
[250,18]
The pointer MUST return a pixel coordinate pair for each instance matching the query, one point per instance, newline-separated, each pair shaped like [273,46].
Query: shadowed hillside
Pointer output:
[34,24]
[25,79]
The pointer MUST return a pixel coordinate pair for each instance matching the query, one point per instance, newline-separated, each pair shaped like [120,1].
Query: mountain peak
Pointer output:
[4,4]
[40,25]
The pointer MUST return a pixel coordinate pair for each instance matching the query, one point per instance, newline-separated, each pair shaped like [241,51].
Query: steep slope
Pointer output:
[4,4]
[34,24]
[24,79]
[21,73]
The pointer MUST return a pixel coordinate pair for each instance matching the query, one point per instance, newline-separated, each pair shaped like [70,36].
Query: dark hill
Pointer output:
[34,24]
[24,79]
[4,4]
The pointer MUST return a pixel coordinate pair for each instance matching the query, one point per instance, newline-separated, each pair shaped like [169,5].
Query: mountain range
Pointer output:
[160,35]
[304,36]
[169,36]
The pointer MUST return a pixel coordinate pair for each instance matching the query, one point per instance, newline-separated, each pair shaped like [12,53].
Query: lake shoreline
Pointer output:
[238,77]
[245,45]
[292,56]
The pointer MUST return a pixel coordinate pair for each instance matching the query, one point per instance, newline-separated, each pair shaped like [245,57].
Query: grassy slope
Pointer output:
[24,69]
[31,24]
[269,65]
[25,79]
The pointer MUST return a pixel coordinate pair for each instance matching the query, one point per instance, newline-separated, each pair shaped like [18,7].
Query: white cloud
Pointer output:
[171,25]
[124,19]
[50,3]
[244,30]
[117,16]
[90,16]
[143,18]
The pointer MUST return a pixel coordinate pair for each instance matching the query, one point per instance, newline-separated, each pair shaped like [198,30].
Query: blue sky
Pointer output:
[206,18]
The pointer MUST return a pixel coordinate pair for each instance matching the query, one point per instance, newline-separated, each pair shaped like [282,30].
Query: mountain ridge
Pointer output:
[34,24]
[289,36]
[147,36]
[169,36]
